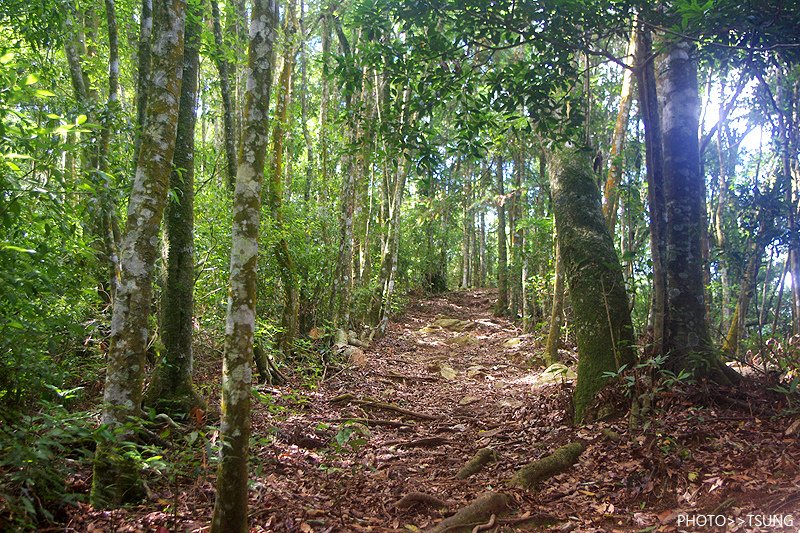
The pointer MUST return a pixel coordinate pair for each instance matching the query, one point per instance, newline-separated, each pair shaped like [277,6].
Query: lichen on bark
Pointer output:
[230,508]
[115,475]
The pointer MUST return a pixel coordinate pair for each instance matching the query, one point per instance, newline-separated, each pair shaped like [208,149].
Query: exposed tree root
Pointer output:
[478,461]
[530,475]
[487,526]
[403,377]
[427,442]
[375,422]
[476,513]
[369,403]
[267,371]
[414,499]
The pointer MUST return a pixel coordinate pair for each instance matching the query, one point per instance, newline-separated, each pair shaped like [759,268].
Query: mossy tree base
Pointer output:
[174,397]
[116,478]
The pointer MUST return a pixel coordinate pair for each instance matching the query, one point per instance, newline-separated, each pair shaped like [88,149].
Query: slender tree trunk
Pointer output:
[501,307]
[747,288]
[616,157]
[304,106]
[465,252]
[115,476]
[291,303]
[228,112]
[517,279]
[596,287]
[719,219]
[388,274]
[230,508]
[343,280]
[651,118]
[171,390]
[482,245]
[143,72]
[556,311]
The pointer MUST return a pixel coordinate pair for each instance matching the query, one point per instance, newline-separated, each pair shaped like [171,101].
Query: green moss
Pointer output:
[116,478]
[596,286]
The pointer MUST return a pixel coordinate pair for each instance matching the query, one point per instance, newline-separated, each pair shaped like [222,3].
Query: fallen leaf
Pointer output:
[448,373]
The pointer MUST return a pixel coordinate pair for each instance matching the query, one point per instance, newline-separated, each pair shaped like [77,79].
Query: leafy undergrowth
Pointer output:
[335,458]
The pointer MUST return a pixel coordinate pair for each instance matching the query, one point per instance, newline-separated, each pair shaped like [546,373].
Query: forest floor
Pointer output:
[333,457]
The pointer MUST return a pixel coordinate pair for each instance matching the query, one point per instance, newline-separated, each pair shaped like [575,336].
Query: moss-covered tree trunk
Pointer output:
[171,389]
[115,478]
[230,508]
[593,274]
[687,337]
[501,307]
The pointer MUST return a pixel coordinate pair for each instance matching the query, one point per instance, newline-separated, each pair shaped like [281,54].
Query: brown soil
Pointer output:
[312,470]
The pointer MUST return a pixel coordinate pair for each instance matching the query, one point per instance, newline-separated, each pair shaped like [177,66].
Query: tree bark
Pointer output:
[517,240]
[556,312]
[687,337]
[501,307]
[651,118]
[116,478]
[593,274]
[143,72]
[230,508]
[228,112]
[616,157]
[171,390]
[290,326]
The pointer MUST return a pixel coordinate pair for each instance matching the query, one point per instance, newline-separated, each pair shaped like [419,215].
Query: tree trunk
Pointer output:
[687,338]
[171,390]
[291,303]
[143,72]
[115,476]
[388,274]
[228,112]
[465,252]
[556,312]
[651,118]
[517,237]
[501,307]
[747,288]
[616,157]
[593,273]
[343,280]
[230,508]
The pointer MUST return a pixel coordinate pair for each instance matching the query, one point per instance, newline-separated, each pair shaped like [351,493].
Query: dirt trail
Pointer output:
[470,376]
[333,458]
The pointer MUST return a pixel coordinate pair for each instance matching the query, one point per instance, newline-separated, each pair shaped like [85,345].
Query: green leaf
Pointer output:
[12,248]
[31,79]
[5,59]
[81,119]
[44,94]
